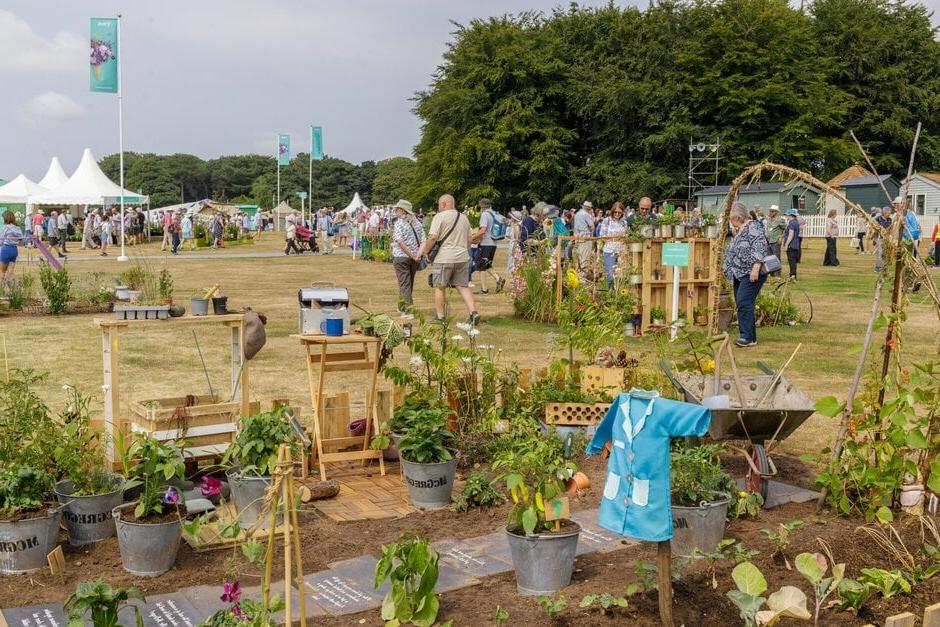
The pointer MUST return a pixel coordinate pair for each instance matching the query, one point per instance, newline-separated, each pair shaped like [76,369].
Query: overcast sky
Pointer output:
[216,77]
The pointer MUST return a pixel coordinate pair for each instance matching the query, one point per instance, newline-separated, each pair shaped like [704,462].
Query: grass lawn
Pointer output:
[159,361]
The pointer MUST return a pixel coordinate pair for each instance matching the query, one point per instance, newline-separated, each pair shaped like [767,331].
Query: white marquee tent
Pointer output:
[55,176]
[354,206]
[87,186]
[19,190]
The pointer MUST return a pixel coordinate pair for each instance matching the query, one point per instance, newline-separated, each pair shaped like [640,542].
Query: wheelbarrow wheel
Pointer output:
[757,482]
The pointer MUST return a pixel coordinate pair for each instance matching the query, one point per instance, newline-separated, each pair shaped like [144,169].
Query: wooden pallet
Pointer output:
[365,495]
[210,534]
[575,414]
[600,379]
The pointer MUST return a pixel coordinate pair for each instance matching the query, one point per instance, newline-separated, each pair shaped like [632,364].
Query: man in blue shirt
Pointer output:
[584,227]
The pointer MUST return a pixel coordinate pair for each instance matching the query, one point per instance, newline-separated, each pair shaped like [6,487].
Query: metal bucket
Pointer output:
[219,305]
[543,561]
[430,485]
[88,518]
[24,544]
[199,306]
[147,550]
[701,527]
[248,494]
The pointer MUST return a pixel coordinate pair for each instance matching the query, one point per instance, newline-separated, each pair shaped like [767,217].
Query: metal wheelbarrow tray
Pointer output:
[781,413]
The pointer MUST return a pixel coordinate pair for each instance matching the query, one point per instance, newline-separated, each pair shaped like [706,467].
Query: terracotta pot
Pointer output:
[579,481]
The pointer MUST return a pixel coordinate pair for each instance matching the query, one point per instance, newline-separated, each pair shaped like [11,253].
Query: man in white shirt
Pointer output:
[63,226]
[324,222]
[584,227]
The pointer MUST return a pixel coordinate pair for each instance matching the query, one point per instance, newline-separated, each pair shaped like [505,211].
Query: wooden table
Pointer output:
[344,353]
[111,328]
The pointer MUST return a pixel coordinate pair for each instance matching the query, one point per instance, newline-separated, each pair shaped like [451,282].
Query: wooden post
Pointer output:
[901,620]
[664,581]
[932,615]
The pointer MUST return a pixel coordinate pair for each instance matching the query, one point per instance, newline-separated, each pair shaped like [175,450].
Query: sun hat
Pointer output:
[773,208]
[587,205]
[404,204]
[792,212]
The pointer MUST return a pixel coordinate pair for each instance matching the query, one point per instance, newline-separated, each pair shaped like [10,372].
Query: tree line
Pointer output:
[252,179]
[601,103]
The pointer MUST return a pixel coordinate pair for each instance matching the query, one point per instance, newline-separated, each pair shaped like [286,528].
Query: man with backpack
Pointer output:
[492,229]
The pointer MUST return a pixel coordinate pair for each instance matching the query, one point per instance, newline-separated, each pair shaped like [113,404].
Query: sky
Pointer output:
[222,77]
[214,77]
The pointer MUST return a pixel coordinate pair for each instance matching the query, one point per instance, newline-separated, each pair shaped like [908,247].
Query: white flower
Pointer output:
[473,332]
[486,347]
[415,360]
[66,387]
[457,338]
[463,326]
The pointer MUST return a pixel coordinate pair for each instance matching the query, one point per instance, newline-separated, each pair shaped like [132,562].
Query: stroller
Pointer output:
[306,239]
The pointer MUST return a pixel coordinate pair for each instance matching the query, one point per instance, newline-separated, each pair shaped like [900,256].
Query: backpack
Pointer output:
[497,229]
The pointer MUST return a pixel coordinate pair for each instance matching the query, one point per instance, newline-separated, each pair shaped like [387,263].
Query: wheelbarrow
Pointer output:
[763,415]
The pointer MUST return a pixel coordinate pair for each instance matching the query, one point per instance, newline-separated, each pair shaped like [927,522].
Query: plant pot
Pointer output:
[133,295]
[147,549]
[679,231]
[636,247]
[199,306]
[665,230]
[629,330]
[430,485]
[647,231]
[700,527]
[578,481]
[711,231]
[391,453]
[121,292]
[657,322]
[543,561]
[248,495]
[220,305]
[24,544]
[396,438]
[912,495]
[636,279]
[88,518]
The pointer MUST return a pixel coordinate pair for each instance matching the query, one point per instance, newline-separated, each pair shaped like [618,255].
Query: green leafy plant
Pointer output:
[501,616]
[709,219]
[750,585]
[259,437]
[728,549]
[781,539]
[606,602]
[647,575]
[410,564]
[535,472]
[478,491]
[552,607]
[80,450]
[156,463]
[852,594]
[57,286]
[747,505]
[165,286]
[813,567]
[20,291]
[887,582]
[415,409]
[246,612]
[427,440]
[23,489]
[697,475]
[101,602]
[657,313]
[29,429]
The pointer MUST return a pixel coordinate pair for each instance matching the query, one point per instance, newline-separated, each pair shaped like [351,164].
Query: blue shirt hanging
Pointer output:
[637,500]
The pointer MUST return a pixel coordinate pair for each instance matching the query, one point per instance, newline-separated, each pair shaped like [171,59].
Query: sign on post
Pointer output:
[675,254]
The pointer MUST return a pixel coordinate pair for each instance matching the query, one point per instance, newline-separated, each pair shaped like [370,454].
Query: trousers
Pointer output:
[793,259]
[745,295]
[405,270]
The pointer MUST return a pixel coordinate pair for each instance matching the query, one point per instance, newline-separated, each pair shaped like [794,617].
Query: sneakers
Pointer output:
[474,318]
[742,343]
[500,284]
[483,291]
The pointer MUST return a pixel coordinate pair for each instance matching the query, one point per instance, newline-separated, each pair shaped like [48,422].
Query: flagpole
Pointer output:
[310,180]
[278,179]
[120,95]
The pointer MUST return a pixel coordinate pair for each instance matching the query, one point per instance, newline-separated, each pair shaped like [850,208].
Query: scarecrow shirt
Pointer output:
[637,500]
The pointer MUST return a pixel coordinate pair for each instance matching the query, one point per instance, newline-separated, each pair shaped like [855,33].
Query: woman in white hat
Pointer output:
[407,237]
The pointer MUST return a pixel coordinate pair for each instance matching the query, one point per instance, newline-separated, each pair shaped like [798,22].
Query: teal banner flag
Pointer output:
[104,51]
[283,149]
[316,143]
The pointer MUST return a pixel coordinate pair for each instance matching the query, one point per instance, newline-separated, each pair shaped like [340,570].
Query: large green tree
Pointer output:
[393,180]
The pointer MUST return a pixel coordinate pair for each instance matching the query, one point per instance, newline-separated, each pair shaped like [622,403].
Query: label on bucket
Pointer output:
[680,523]
[14,546]
[427,484]
[87,519]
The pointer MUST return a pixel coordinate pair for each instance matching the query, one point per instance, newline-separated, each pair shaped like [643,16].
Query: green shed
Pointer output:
[760,196]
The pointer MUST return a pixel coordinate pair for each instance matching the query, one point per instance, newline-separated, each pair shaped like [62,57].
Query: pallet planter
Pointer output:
[206,424]
[141,312]
[601,379]
[575,414]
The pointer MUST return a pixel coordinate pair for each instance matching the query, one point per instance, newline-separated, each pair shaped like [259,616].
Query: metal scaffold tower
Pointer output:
[703,165]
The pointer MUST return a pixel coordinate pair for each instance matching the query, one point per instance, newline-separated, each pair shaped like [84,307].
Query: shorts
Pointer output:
[450,274]
[483,259]
[8,253]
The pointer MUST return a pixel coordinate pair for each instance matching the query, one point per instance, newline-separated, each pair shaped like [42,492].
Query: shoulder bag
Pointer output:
[436,248]
[422,263]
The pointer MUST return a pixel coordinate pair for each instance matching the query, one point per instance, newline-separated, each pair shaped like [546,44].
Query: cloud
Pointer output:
[51,107]
[24,50]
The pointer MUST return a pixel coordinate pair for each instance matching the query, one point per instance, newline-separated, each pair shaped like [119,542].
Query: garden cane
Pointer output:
[204,369]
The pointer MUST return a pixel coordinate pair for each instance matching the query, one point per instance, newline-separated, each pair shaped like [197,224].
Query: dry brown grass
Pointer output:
[163,361]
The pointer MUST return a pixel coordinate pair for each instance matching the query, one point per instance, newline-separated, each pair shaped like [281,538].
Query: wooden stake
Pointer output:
[664,581]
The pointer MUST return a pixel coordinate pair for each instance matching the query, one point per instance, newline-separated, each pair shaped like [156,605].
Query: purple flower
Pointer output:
[231,592]
[101,51]
[210,486]
[172,496]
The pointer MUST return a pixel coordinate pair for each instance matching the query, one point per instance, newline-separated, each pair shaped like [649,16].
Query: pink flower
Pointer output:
[231,592]
[210,486]
[172,496]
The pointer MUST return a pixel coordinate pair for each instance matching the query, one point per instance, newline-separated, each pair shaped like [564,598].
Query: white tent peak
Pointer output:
[87,186]
[19,190]
[354,205]
[55,175]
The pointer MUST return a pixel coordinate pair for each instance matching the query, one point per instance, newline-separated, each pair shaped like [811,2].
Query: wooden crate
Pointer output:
[575,414]
[207,426]
[600,379]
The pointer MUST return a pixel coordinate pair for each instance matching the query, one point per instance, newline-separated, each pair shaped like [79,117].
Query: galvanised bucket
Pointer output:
[430,485]
[700,527]
[147,550]
[248,494]
[24,544]
[543,561]
[88,518]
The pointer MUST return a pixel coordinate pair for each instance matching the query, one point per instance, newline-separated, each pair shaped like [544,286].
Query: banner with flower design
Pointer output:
[316,143]
[104,69]
[283,149]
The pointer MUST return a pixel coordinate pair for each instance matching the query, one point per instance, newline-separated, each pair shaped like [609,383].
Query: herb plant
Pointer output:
[23,489]
[426,440]
[259,437]
[80,452]
[157,463]
[102,602]
[410,564]
[552,607]
[478,491]
[30,433]
[696,475]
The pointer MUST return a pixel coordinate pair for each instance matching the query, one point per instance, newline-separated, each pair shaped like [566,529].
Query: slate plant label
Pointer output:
[35,616]
[168,614]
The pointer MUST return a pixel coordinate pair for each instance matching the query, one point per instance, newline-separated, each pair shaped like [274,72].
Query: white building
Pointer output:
[923,192]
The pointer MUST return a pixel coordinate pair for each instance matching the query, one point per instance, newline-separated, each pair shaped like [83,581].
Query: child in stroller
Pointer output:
[306,239]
